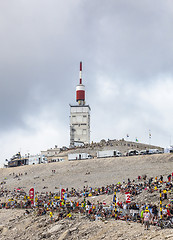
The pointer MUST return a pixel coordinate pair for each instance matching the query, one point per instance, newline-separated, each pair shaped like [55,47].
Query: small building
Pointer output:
[51,154]
[17,160]
[37,159]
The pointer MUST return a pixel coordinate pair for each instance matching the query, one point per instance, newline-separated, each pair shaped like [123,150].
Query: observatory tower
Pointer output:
[80,116]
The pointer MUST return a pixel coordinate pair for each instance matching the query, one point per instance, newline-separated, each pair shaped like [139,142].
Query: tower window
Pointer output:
[84,131]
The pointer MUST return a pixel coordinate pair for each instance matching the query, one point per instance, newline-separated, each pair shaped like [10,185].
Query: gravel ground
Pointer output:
[74,173]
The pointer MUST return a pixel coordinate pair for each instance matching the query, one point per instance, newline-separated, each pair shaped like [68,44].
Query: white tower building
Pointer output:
[80,117]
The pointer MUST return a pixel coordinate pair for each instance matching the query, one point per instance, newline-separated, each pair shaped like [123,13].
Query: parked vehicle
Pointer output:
[168,149]
[160,152]
[143,152]
[133,152]
[57,160]
[108,153]
[152,151]
[78,156]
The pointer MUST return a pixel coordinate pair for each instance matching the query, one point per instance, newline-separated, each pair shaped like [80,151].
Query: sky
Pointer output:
[127,52]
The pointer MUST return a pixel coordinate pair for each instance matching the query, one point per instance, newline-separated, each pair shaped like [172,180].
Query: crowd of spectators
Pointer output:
[72,201]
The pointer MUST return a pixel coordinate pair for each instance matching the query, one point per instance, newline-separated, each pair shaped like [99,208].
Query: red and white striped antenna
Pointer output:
[80,89]
[80,73]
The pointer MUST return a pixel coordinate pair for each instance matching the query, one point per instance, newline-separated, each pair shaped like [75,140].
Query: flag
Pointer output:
[114,199]
[65,196]
[31,195]
[62,193]
[128,200]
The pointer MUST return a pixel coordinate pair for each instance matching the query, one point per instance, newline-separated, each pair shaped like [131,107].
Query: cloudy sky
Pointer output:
[127,53]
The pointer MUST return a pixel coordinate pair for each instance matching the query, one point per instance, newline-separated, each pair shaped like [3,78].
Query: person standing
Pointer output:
[51,216]
[146,216]
[142,216]
[169,177]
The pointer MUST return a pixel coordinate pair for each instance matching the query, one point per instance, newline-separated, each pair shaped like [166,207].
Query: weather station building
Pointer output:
[80,117]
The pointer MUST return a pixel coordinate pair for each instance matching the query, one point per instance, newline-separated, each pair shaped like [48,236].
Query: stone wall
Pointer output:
[119,145]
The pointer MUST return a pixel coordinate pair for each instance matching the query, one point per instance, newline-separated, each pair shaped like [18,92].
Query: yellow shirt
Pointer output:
[51,214]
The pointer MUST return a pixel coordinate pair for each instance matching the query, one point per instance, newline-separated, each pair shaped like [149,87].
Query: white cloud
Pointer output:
[127,50]
[107,88]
